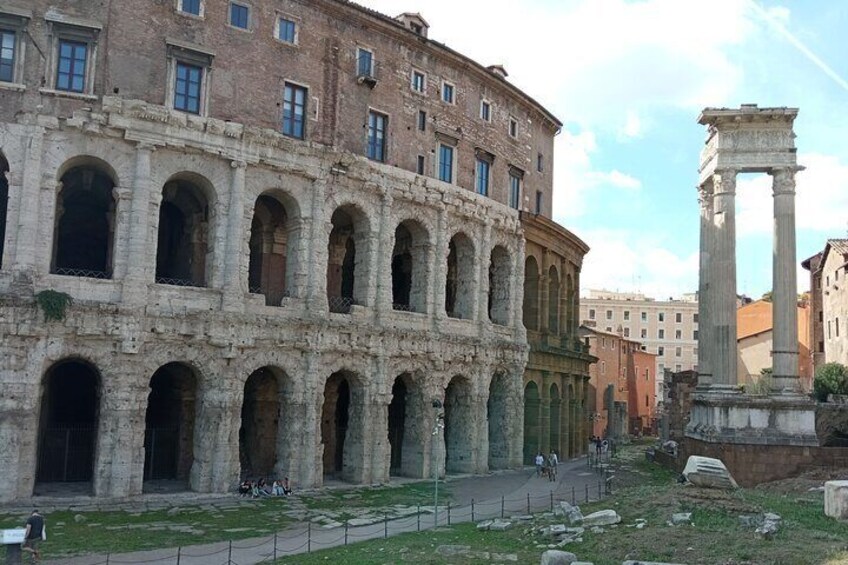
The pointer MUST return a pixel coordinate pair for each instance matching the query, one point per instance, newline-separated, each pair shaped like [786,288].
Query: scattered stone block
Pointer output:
[601,518]
[557,557]
[485,525]
[500,557]
[597,530]
[767,530]
[453,550]
[557,529]
[836,499]
[708,472]
[681,518]
[500,525]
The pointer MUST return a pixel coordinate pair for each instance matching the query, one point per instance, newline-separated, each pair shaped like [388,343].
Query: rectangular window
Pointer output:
[626,332]
[514,191]
[294,111]
[483,177]
[190,7]
[239,16]
[513,127]
[661,334]
[540,162]
[418,81]
[695,351]
[695,335]
[837,327]
[70,74]
[539,202]
[643,333]
[445,163]
[677,368]
[422,120]
[7,55]
[187,88]
[485,110]
[678,351]
[661,317]
[447,92]
[660,350]
[678,334]
[627,315]
[828,330]
[377,125]
[644,316]
[678,317]
[603,367]
[286,30]
[603,343]
[661,368]
[695,317]
[609,314]
[364,63]
[591,313]
[419,166]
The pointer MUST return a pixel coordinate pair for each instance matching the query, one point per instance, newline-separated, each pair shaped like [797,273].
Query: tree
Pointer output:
[831,378]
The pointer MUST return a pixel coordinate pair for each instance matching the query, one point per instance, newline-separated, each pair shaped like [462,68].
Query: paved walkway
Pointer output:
[474,498]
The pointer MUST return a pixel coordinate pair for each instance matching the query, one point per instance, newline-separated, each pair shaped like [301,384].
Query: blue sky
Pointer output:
[628,79]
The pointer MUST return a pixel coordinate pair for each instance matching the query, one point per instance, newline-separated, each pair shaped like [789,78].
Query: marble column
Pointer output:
[233,291]
[723,298]
[785,285]
[706,346]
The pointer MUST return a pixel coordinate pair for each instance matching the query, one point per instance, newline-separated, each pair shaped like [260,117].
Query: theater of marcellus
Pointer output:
[276,239]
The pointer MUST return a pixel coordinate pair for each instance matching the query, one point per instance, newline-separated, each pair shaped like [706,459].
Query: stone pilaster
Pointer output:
[785,285]
[217,234]
[545,410]
[216,445]
[706,288]
[119,462]
[723,298]
[28,220]
[516,294]
[121,227]
[440,268]
[544,291]
[315,262]
[380,252]
[138,274]
[481,309]
[234,290]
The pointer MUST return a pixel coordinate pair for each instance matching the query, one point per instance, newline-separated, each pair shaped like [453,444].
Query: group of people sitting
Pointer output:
[262,489]
[546,466]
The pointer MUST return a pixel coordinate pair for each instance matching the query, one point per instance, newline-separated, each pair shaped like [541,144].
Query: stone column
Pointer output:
[482,307]
[706,346]
[723,297]
[545,410]
[138,272]
[440,264]
[216,445]
[785,285]
[233,291]
[379,259]
[315,263]
[516,293]
[26,241]
[119,464]
[543,293]
[120,230]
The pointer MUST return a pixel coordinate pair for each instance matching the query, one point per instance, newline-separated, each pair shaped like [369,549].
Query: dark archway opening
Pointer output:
[4,202]
[553,301]
[260,418]
[183,248]
[271,234]
[531,294]
[68,424]
[459,283]
[336,420]
[498,422]
[397,421]
[341,265]
[169,424]
[409,268]
[555,421]
[532,404]
[458,427]
[499,285]
[84,229]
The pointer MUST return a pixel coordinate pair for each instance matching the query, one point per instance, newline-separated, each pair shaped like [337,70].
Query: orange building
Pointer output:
[754,336]
[641,388]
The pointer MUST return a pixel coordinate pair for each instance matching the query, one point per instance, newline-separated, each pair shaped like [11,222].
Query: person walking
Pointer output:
[33,536]
[540,461]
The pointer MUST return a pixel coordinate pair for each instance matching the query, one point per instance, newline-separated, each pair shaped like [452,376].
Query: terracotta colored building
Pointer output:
[754,335]
[641,389]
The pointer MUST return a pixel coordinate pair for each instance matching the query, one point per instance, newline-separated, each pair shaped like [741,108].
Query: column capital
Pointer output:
[724,181]
[145,146]
[783,180]
[238,164]
[705,192]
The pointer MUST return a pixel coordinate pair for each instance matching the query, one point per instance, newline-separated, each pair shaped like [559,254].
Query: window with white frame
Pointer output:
[626,332]
[419,165]
[513,127]
[539,199]
[643,333]
[419,81]
[515,176]
[609,314]
[661,317]
[644,316]
[448,92]
[678,351]
[294,110]
[483,173]
[8,47]
[377,127]
[486,110]
[678,334]
[660,350]
[364,62]
[540,163]
[661,334]
[446,156]
[192,7]
[12,32]
[286,30]
[422,120]
[627,315]
[188,72]
[73,53]
[591,313]
[240,15]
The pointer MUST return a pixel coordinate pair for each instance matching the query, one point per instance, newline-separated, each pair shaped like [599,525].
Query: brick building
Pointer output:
[829,302]
[291,233]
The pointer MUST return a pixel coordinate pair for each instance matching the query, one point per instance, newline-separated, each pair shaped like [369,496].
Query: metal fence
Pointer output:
[66,454]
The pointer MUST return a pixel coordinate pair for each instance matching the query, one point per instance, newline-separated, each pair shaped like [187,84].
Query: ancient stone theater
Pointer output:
[271,238]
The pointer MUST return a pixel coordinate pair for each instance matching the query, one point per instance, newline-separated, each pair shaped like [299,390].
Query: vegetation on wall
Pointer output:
[54,304]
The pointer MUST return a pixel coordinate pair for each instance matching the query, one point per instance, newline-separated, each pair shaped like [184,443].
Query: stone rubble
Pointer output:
[708,472]
[601,518]
[557,557]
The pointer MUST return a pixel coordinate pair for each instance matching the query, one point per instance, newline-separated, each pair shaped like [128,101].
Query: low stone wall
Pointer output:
[751,465]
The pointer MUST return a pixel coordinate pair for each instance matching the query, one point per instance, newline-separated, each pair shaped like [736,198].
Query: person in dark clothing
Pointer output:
[34,534]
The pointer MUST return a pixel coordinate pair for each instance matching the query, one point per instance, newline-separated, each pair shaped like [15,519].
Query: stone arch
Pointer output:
[342,426]
[555,405]
[459,423]
[531,293]
[184,246]
[500,273]
[68,423]
[266,415]
[410,273]
[532,407]
[407,423]
[275,231]
[570,306]
[169,446]
[554,300]
[4,202]
[347,258]
[84,225]
[497,412]
[459,281]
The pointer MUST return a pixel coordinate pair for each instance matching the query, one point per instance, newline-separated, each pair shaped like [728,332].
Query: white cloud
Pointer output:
[616,179]
[632,128]
[620,261]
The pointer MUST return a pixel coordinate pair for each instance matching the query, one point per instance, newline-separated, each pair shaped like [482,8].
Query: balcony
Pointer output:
[367,70]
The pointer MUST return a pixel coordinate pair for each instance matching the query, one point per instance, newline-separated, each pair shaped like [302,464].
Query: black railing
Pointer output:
[175,281]
[340,304]
[66,453]
[88,273]
[402,307]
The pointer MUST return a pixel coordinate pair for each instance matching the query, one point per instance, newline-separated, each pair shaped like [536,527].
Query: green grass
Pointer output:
[411,494]
[114,532]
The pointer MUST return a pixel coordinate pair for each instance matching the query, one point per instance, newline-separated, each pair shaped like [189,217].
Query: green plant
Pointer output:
[831,378]
[53,303]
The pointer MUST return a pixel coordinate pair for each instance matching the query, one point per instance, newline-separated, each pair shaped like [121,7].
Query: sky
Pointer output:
[628,80]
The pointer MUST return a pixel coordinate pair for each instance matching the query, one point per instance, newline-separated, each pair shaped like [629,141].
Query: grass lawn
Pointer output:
[411,494]
[649,492]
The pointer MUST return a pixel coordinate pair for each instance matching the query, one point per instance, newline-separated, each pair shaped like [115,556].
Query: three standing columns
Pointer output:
[717,347]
